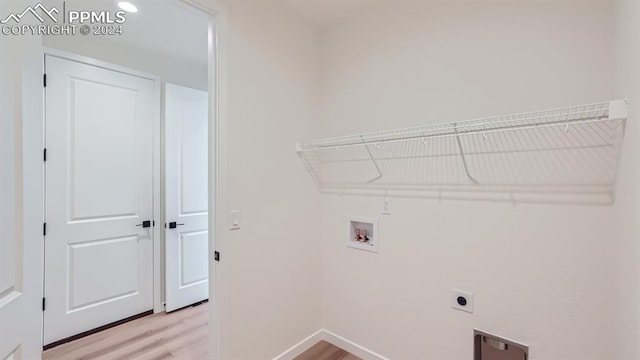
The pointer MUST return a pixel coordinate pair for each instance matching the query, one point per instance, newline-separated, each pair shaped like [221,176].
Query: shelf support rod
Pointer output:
[375,163]
[306,164]
[464,159]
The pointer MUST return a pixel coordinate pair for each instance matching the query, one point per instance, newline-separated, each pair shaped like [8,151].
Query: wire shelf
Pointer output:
[568,150]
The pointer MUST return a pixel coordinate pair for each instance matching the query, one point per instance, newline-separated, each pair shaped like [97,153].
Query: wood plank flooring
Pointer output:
[182,335]
[325,351]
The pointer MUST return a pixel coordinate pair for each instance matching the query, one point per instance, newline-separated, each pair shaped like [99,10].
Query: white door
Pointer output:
[12,304]
[186,239]
[99,188]
[12,299]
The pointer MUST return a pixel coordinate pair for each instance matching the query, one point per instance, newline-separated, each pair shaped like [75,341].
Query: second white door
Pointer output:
[186,170]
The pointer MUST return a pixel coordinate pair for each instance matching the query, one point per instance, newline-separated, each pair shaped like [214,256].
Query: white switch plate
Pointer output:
[386,206]
[234,219]
[465,303]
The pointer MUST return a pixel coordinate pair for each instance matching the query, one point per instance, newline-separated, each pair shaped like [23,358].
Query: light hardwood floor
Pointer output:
[182,335]
[325,351]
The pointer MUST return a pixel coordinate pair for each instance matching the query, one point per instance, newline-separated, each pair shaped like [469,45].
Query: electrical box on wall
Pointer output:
[462,300]
[362,233]
[491,347]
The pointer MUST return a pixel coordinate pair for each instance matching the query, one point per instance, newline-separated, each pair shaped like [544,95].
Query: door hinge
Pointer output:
[216,256]
[45,154]
[44,304]
[44,229]
[44,80]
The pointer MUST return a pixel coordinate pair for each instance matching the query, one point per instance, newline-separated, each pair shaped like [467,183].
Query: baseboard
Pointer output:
[331,338]
[350,346]
[301,347]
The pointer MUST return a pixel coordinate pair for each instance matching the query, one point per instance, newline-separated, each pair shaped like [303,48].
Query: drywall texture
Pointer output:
[627,225]
[270,268]
[542,274]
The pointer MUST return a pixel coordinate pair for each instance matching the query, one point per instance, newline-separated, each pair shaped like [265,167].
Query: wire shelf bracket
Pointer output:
[570,153]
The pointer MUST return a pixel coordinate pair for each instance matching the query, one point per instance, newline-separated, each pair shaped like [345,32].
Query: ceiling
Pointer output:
[169,28]
[161,27]
[324,13]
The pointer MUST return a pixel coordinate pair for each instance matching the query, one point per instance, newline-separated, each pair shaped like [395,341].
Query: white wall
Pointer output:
[628,204]
[541,274]
[270,267]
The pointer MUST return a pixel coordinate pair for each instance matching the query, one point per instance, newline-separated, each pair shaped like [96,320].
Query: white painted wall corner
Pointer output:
[301,347]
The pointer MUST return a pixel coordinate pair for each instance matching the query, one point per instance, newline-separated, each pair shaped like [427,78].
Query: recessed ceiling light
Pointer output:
[127,6]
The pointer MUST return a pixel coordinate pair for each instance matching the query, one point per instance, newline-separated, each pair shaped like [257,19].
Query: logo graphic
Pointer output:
[65,22]
[33,10]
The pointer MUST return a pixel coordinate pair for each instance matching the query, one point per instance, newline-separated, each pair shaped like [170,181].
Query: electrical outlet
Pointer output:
[462,300]
[386,206]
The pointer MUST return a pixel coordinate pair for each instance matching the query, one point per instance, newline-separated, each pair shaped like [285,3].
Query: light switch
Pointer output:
[234,216]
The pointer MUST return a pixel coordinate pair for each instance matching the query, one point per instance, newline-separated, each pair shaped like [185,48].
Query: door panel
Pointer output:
[192,246]
[187,247]
[193,152]
[114,261]
[99,190]
[102,117]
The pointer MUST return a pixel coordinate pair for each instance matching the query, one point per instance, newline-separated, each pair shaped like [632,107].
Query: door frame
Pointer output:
[157,98]
[218,180]
[33,172]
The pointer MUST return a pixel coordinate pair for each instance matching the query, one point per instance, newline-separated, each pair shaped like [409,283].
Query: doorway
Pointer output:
[129,200]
